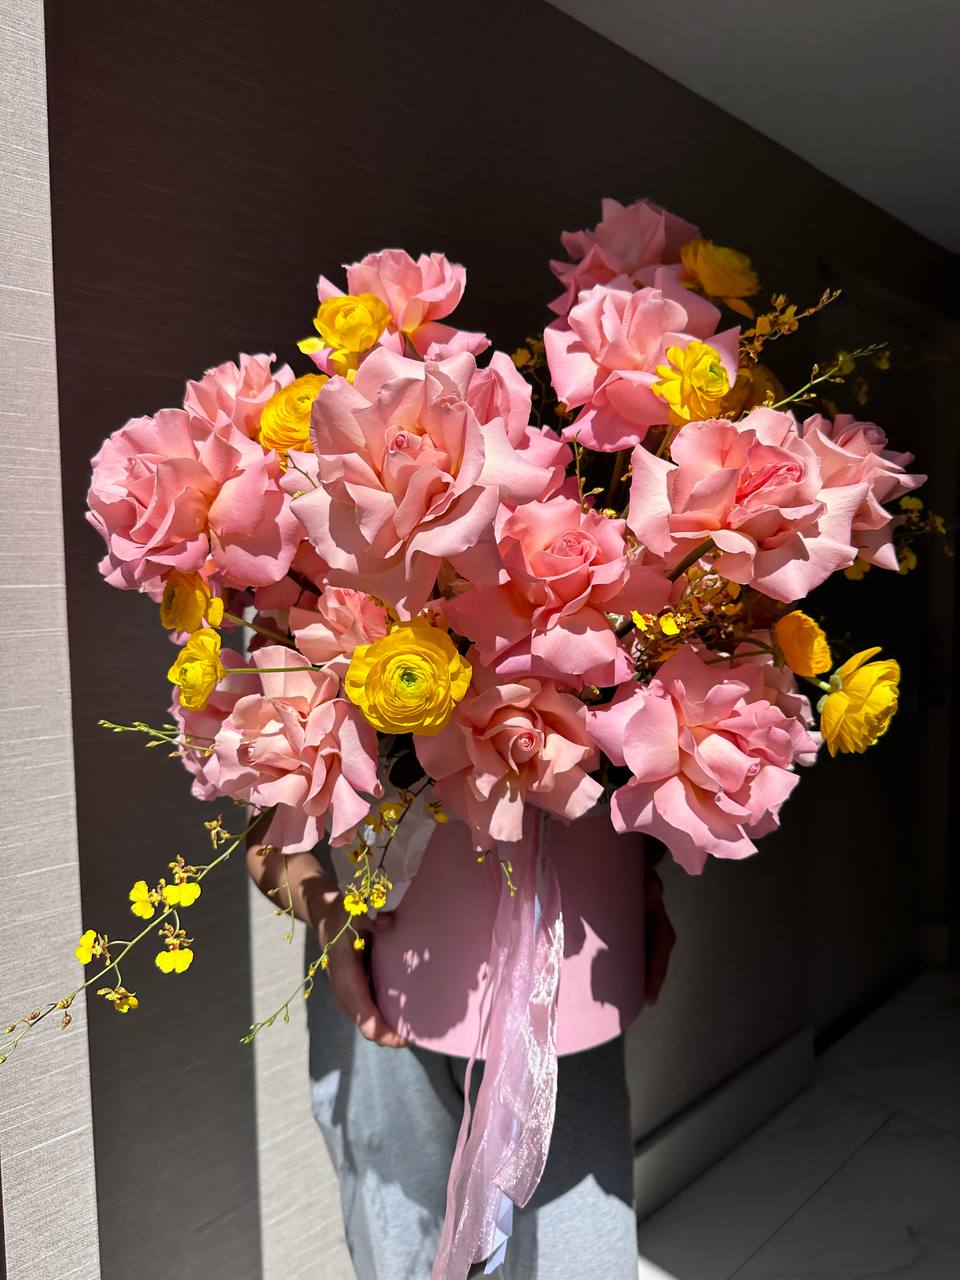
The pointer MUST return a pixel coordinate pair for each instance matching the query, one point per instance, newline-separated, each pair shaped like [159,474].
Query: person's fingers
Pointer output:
[351,991]
[660,939]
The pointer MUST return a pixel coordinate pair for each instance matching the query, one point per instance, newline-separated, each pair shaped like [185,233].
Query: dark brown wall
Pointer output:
[209,157]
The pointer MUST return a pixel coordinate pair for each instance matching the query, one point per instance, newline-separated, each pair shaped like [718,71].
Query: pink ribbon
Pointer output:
[502,1146]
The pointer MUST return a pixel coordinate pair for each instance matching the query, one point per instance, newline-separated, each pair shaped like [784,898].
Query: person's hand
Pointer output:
[349,979]
[659,935]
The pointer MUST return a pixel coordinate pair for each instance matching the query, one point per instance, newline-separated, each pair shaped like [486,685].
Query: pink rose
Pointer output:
[510,744]
[606,360]
[500,391]
[539,606]
[171,491]
[852,452]
[781,688]
[405,475]
[756,489]
[710,754]
[200,729]
[301,747]
[254,534]
[418,295]
[303,582]
[234,396]
[341,619]
[627,239]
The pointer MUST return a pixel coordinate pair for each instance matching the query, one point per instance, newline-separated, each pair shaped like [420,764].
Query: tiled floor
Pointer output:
[857,1179]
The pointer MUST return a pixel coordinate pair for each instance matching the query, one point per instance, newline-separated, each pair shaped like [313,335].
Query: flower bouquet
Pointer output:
[496,589]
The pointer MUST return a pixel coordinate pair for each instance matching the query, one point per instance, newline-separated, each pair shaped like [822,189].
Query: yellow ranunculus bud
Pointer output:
[198,669]
[803,644]
[861,703]
[285,418]
[720,273]
[351,323]
[410,681]
[186,601]
[692,382]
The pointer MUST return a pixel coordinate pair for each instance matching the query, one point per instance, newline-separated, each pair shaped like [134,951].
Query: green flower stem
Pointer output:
[668,436]
[822,685]
[383,852]
[292,466]
[114,965]
[169,734]
[619,467]
[828,374]
[303,582]
[255,626]
[306,986]
[691,558]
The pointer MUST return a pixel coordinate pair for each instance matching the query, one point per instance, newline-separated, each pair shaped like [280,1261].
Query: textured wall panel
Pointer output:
[46,1148]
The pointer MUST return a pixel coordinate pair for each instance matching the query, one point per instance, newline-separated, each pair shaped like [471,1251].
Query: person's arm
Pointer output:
[318,902]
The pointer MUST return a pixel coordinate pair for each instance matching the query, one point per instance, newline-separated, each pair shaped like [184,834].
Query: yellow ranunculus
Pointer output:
[187,601]
[861,703]
[140,901]
[803,644]
[178,960]
[285,418]
[719,272]
[692,382]
[198,669]
[351,323]
[410,681]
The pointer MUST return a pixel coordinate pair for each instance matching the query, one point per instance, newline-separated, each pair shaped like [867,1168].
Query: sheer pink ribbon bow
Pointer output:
[502,1147]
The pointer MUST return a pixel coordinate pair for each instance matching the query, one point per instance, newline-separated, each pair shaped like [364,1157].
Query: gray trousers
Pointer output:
[390,1119]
